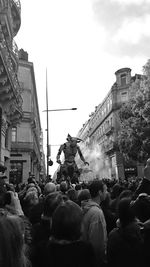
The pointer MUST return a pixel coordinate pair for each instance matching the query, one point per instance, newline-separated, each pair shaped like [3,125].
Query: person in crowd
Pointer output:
[30,200]
[50,187]
[115,192]
[125,242]
[65,248]
[72,195]
[84,194]
[12,253]
[10,205]
[110,217]
[141,208]
[144,186]
[41,231]
[125,193]
[63,187]
[94,224]
[37,209]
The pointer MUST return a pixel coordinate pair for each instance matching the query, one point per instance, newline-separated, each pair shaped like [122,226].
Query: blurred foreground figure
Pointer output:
[12,242]
[69,170]
[65,248]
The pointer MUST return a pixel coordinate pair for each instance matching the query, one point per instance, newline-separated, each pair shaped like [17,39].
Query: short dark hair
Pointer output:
[51,202]
[84,194]
[66,221]
[126,212]
[95,186]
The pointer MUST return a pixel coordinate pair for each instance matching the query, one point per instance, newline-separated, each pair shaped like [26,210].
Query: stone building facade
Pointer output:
[10,89]
[101,129]
[27,156]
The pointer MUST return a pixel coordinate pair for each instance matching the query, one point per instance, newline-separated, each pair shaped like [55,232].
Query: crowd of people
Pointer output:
[101,223]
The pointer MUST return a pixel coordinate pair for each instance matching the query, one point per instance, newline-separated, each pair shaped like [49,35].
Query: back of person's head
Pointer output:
[51,202]
[95,186]
[72,195]
[32,188]
[31,198]
[116,190]
[142,207]
[31,180]
[125,194]
[126,212]
[66,221]
[11,242]
[49,188]
[84,194]
[63,187]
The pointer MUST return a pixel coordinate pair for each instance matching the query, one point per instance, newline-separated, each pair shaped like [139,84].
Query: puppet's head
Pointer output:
[73,139]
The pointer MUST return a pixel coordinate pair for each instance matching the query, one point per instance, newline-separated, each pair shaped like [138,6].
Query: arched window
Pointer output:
[123,79]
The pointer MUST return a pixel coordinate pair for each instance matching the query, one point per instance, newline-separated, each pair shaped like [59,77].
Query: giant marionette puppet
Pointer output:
[69,170]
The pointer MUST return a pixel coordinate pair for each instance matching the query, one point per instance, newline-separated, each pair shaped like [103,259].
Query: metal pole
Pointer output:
[47,126]
[60,109]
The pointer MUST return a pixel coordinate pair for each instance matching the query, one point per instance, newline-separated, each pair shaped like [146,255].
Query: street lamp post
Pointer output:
[49,110]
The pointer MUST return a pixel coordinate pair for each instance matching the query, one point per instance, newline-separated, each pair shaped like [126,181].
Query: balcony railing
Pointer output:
[8,63]
[22,146]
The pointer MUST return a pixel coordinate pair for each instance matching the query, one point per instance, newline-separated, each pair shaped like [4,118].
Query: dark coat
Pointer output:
[125,247]
[64,254]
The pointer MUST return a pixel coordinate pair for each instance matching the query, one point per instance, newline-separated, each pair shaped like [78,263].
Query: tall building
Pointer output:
[27,157]
[101,130]
[10,90]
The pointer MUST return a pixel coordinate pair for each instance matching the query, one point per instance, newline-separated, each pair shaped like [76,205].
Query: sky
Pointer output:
[81,43]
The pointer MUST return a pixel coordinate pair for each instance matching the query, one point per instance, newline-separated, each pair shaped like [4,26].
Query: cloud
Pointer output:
[129,2]
[132,30]
[126,24]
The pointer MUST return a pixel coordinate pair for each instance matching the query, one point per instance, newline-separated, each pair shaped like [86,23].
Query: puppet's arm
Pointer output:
[81,156]
[58,154]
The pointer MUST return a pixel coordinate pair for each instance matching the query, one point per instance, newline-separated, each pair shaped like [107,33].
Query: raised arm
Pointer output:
[81,156]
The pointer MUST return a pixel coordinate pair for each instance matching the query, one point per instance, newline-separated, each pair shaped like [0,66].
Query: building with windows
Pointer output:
[27,156]
[10,89]
[103,125]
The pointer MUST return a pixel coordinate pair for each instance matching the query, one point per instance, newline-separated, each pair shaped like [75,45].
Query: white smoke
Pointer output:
[99,165]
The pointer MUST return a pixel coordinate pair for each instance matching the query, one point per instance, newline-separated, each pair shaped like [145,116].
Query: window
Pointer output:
[14,134]
[16,172]
[124,97]
[123,79]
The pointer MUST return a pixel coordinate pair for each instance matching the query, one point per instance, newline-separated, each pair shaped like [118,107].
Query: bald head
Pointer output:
[49,188]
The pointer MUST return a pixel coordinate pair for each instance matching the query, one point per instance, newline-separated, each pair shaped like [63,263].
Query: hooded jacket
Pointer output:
[94,228]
